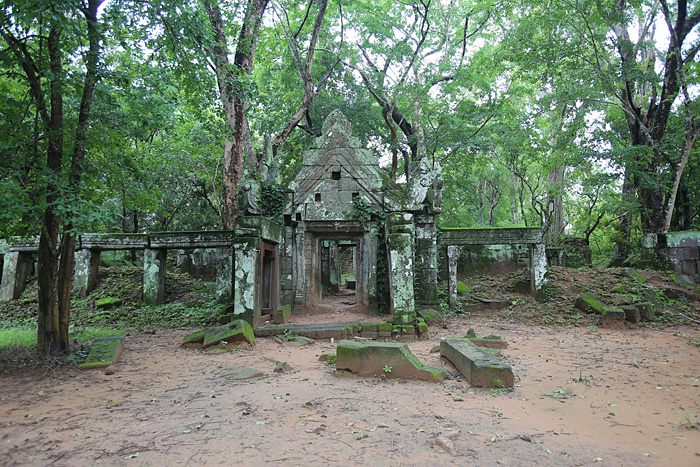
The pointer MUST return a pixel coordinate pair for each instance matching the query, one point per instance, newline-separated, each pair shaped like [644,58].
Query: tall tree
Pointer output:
[42,36]
[232,77]
[647,96]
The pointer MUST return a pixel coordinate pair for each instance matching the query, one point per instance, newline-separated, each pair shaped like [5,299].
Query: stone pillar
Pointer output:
[154,275]
[86,269]
[224,275]
[14,275]
[538,271]
[425,282]
[370,246]
[325,265]
[452,256]
[333,267]
[246,296]
[401,268]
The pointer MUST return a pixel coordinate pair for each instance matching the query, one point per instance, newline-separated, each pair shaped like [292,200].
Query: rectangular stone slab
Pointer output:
[481,369]
[384,359]
[105,352]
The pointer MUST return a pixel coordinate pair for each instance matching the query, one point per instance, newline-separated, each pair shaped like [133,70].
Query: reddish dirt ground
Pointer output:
[582,396]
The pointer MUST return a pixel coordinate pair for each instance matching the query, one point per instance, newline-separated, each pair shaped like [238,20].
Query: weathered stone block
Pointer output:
[633,274]
[646,310]
[107,303]
[239,372]
[478,366]
[232,333]
[613,318]
[588,303]
[283,314]
[105,351]
[631,313]
[374,358]
[14,272]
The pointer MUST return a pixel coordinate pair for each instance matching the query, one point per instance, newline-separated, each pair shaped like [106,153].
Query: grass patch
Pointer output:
[17,337]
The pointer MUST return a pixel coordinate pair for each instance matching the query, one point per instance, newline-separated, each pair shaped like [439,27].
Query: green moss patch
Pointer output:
[105,351]
[235,331]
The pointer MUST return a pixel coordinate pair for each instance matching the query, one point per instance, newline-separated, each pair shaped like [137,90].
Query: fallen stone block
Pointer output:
[107,303]
[479,367]
[232,333]
[280,367]
[684,280]
[392,360]
[677,294]
[633,274]
[613,318]
[631,313]
[588,303]
[240,372]
[105,351]
[300,341]
[646,310]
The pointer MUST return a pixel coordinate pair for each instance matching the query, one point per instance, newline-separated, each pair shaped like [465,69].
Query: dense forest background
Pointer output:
[579,116]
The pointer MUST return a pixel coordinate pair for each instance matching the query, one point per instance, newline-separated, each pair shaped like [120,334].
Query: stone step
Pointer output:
[313,330]
[478,366]
[346,330]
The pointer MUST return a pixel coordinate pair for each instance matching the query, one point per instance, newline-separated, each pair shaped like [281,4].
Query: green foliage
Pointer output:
[272,200]
[362,210]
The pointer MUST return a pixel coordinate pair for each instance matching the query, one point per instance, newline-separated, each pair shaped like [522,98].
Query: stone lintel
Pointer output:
[506,236]
[28,245]
[336,227]
[478,366]
[184,240]
[102,242]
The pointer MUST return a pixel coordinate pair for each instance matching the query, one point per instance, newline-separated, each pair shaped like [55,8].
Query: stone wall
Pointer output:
[678,251]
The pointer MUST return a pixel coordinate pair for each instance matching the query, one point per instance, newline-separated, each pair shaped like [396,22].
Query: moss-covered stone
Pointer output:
[462,288]
[107,303]
[239,372]
[429,315]
[384,359]
[397,241]
[105,351]
[589,303]
[235,332]
[194,338]
[633,274]
[619,288]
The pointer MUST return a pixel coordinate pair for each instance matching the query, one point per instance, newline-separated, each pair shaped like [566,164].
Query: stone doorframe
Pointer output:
[451,239]
[315,233]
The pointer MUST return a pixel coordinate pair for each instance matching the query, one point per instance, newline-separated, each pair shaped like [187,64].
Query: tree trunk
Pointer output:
[66,266]
[624,228]
[48,338]
[555,205]
[229,78]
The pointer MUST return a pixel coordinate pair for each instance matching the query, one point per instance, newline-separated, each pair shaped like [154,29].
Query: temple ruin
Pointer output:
[339,210]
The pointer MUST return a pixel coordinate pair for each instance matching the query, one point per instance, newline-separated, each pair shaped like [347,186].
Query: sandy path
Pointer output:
[581,397]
